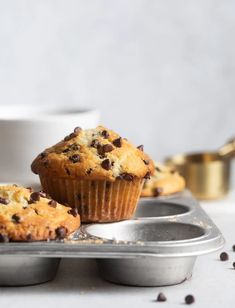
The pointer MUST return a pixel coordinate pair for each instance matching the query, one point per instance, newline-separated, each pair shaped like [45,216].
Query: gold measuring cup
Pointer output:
[207,174]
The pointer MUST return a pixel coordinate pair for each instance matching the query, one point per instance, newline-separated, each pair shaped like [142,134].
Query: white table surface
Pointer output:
[78,284]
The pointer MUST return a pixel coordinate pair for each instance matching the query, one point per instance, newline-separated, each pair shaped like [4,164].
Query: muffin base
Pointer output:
[96,201]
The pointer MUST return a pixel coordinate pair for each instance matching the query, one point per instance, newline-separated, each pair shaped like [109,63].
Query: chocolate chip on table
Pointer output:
[234,265]
[161,297]
[73,211]
[61,232]
[4,238]
[189,299]
[34,197]
[105,134]
[4,200]
[233,247]
[126,176]
[157,191]
[141,147]
[147,175]
[15,218]
[106,164]
[77,130]
[52,203]
[75,158]
[118,142]
[224,256]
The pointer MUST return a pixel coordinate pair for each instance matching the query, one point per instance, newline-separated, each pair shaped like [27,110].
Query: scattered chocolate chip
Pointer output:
[234,265]
[89,171]
[157,191]
[36,211]
[42,194]
[4,238]
[189,299]
[67,171]
[43,155]
[233,247]
[118,142]
[4,200]
[161,297]
[77,130]
[75,158]
[105,134]
[15,218]
[146,161]
[158,169]
[141,147]
[34,197]
[95,143]
[126,176]
[61,232]
[73,211]
[224,256]
[147,175]
[106,164]
[52,203]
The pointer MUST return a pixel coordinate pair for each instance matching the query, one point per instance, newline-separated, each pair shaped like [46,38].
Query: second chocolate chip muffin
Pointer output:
[96,171]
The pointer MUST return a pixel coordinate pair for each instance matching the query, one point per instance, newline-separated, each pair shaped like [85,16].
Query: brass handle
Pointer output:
[228,149]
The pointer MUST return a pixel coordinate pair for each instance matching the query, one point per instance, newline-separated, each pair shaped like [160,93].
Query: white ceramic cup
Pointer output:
[26,131]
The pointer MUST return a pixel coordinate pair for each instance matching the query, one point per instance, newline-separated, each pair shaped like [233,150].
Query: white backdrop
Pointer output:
[161,72]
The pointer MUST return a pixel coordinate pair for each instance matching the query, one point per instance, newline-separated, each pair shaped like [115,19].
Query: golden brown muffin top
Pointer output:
[96,154]
[30,216]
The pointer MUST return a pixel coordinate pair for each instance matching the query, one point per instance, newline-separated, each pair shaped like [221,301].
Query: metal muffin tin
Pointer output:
[157,247]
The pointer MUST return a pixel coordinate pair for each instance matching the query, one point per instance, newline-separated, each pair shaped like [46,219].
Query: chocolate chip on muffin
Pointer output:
[106,164]
[105,134]
[118,142]
[4,200]
[52,203]
[140,147]
[75,158]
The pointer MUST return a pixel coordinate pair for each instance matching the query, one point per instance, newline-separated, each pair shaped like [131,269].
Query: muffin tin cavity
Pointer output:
[146,231]
[150,208]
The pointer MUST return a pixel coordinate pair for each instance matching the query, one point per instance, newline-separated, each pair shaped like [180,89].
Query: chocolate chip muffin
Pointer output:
[96,171]
[32,216]
[165,181]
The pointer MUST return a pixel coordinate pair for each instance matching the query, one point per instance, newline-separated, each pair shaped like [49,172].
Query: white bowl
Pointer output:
[26,131]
